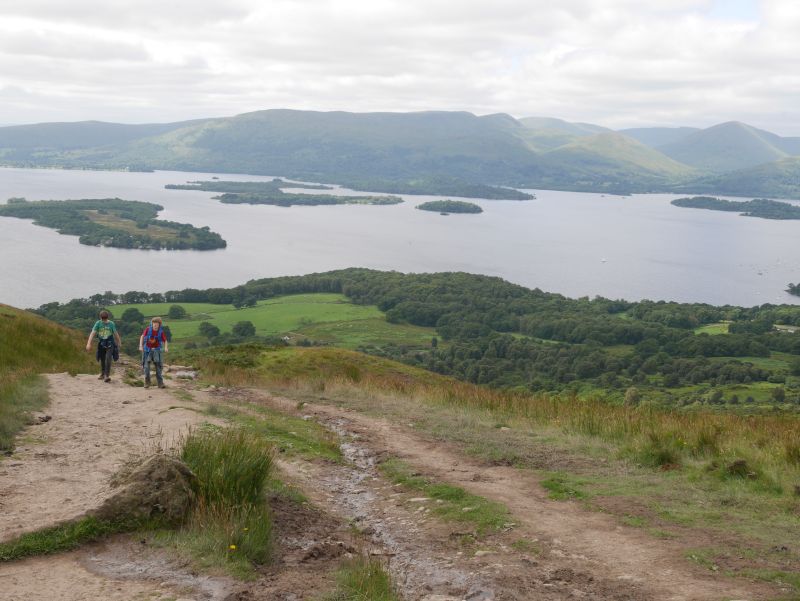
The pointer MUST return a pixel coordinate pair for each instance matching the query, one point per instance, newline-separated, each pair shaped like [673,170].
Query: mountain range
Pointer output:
[385,149]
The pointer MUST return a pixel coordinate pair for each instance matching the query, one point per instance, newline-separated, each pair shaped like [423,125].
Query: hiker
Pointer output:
[108,344]
[153,343]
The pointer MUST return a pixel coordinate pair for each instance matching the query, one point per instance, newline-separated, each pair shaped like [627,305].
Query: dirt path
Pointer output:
[61,469]
[589,550]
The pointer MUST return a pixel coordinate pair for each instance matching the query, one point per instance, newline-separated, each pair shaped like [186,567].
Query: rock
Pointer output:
[479,594]
[42,419]
[160,487]
[186,375]
[797,490]
[440,598]
[419,500]
[482,553]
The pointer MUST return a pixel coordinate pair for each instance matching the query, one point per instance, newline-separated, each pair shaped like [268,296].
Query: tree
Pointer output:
[779,394]
[244,329]
[208,329]
[132,315]
[176,312]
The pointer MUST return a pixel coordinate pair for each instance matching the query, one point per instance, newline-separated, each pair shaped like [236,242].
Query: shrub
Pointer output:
[176,312]
[244,329]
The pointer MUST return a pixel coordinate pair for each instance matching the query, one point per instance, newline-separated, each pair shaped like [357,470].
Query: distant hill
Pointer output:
[730,146]
[398,151]
[604,162]
[338,147]
[779,179]
[547,133]
[658,136]
[37,142]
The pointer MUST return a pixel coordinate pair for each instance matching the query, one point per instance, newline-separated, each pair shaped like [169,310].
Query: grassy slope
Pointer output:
[329,318]
[616,151]
[725,147]
[30,345]
[663,472]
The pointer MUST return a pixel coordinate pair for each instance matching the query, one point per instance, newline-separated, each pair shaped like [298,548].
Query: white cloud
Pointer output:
[620,62]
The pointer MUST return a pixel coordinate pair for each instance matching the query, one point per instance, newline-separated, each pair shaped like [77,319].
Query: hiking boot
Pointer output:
[101,377]
[162,385]
[107,380]
[147,383]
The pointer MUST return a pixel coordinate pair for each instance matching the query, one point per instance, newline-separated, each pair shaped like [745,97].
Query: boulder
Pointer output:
[160,487]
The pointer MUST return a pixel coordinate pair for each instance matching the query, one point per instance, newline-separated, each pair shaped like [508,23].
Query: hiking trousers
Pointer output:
[153,356]
[105,355]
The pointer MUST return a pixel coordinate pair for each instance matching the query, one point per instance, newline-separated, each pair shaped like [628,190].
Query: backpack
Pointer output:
[149,334]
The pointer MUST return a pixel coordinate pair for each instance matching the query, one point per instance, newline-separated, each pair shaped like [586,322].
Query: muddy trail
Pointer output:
[63,464]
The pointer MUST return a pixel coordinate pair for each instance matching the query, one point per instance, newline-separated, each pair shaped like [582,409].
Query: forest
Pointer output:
[114,222]
[270,193]
[758,207]
[492,332]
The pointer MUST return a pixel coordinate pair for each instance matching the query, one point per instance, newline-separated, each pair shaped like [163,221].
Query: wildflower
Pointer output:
[232,547]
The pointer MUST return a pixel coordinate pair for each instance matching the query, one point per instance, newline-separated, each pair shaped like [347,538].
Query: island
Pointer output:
[445,207]
[270,193]
[759,207]
[439,186]
[114,223]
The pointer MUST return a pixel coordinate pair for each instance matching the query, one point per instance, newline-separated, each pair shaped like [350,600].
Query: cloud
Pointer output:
[620,62]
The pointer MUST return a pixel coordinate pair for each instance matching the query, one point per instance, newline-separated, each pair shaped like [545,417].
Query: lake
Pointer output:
[578,244]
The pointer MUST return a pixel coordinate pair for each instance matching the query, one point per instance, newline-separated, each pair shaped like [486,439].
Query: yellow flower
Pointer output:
[232,547]
[246,529]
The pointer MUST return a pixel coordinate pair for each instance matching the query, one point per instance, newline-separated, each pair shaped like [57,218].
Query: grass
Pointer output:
[62,538]
[232,465]
[670,465]
[650,436]
[713,329]
[327,318]
[287,434]
[363,579]
[38,347]
[230,529]
[561,489]
[450,502]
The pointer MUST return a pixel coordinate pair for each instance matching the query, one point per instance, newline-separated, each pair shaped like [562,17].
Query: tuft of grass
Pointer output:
[232,465]
[231,527]
[363,579]
[450,502]
[220,538]
[63,537]
[561,489]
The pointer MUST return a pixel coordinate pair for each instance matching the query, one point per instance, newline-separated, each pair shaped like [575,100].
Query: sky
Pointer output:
[617,63]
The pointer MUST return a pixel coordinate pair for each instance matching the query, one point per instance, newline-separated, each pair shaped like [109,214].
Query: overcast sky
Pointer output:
[619,63]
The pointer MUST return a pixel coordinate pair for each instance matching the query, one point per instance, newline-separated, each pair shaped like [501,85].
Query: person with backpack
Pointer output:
[153,343]
[108,344]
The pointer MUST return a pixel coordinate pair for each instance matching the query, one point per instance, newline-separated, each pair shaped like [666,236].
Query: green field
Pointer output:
[327,318]
[713,329]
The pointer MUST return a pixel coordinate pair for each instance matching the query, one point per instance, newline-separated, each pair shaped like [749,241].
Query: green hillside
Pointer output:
[726,147]
[779,179]
[45,141]
[32,345]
